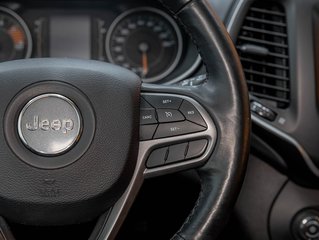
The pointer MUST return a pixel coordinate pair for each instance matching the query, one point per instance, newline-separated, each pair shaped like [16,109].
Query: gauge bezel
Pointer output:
[24,26]
[162,14]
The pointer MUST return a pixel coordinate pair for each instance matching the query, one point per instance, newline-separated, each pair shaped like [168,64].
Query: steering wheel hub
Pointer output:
[70,138]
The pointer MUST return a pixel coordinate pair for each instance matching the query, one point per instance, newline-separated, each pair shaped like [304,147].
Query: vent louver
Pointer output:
[263,48]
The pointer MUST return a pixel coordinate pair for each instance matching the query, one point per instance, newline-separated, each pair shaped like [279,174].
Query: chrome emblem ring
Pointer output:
[49,124]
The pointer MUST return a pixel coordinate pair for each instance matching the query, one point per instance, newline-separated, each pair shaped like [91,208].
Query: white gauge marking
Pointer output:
[158,28]
[24,26]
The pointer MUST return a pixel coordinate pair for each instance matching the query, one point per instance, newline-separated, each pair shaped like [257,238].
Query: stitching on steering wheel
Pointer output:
[188,31]
[190,216]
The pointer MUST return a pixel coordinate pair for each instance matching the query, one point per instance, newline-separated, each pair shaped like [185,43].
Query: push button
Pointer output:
[169,115]
[147,116]
[176,153]
[157,158]
[196,148]
[147,132]
[263,111]
[178,128]
[144,104]
[163,101]
[191,113]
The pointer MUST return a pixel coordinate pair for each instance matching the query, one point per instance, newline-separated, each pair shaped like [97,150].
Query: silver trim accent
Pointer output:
[164,15]
[121,208]
[24,27]
[234,15]
[79,123]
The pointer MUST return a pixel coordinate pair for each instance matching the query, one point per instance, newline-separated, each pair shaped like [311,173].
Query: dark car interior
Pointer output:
[159,119]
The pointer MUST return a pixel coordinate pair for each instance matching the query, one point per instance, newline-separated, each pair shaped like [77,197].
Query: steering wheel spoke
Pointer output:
[179,127]
[176,133]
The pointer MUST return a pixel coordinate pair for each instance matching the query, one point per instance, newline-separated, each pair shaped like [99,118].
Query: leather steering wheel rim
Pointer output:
[221,178]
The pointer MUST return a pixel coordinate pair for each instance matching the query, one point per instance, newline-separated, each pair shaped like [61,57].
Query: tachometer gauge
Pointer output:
[15,37]
[145,40]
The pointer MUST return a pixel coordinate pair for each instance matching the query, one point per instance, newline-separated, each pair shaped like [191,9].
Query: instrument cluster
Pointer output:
[139,36]
[15,37]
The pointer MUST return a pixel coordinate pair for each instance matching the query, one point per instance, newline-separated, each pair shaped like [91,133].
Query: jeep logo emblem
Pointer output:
[49,124]
[64,125]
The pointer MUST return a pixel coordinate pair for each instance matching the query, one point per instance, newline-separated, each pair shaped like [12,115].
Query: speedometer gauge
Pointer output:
[15,37]
[146,41]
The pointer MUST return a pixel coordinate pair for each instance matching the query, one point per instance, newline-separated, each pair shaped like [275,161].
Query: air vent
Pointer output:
[263,48]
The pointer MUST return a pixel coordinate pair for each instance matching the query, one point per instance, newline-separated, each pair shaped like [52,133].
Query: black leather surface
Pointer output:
[225,97]
[174,6]
[5,232]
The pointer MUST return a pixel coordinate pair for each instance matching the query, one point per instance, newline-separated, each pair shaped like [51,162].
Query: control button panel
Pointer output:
[177,153]
[178,128]
[262,111]
[148,116]
[196,148]
[158,101]
[157,158]
[145,105]
[168,116]
[191,113]
[147,132]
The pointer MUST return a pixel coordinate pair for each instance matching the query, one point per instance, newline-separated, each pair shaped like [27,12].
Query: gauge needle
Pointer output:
[145,63]
[143,47]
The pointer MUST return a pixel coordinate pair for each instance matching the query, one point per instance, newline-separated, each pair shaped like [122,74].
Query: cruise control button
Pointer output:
[158,101]
[191,113]
[157,158]
[176,153]
[196,148]
[147,132]
[144,104]
[178,128]
[169,115]
[147,116]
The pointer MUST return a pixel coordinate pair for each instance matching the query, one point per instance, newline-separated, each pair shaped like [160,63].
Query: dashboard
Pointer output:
[277,43]
[139,36]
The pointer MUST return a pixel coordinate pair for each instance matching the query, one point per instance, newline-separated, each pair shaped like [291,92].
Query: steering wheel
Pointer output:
[74,146]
